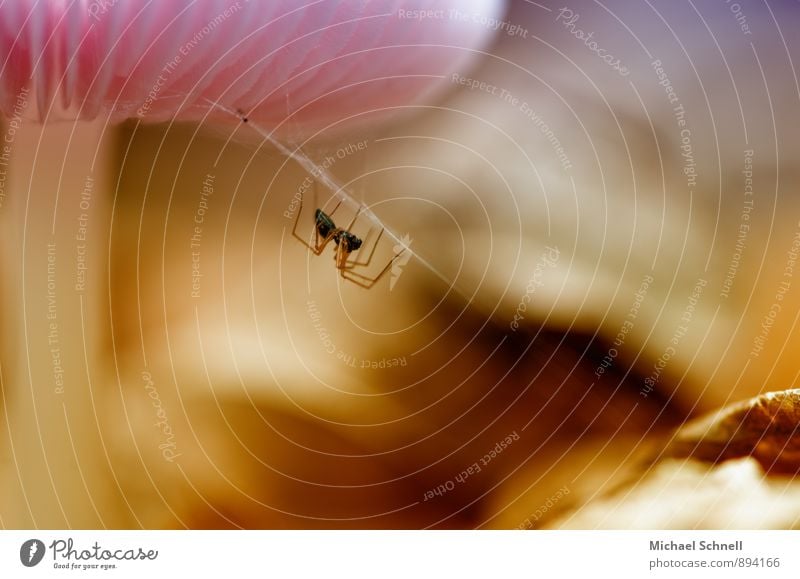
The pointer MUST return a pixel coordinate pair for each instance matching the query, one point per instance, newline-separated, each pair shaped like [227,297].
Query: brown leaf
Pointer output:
[766,427]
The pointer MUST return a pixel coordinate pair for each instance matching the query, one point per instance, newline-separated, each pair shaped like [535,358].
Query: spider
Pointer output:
[346,242]
[325,230]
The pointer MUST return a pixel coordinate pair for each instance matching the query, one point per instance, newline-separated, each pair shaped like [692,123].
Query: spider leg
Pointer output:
[335,208]
[332,234]
[319,244]
[365,281]
[343,265]
[350,226]
[355,262]
[340,256]
[316,249]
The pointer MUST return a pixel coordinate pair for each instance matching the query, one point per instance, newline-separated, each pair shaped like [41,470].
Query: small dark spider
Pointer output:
[325,230]
[326,227]
[346,242]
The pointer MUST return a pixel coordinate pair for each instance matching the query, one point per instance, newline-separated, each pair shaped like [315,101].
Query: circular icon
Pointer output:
[31,552]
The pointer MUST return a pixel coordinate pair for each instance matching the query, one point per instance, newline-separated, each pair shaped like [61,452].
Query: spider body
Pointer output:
[324,223]
[347,241]
[325,230]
